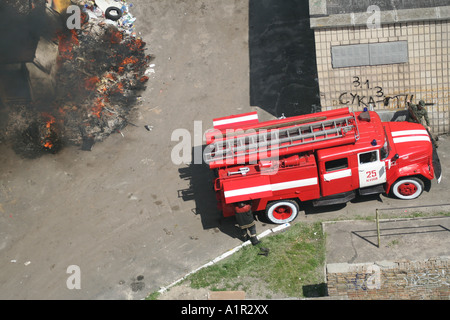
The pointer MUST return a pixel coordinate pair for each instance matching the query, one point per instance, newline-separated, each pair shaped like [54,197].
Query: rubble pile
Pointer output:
[105,67]
[101,71]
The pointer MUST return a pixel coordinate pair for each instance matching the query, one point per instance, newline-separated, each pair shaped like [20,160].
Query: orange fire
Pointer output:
[91,83]
[48,145]
[116,37]
[129,60]
[119,87]
[136,44]
[67,41]
[49,121]
[110,77]
[99,105]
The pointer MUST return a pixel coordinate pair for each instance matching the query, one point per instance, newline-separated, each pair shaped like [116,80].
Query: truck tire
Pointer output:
[283,211]
[408,188]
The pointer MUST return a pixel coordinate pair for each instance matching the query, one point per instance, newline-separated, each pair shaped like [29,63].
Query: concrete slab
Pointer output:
[226,295]
[400,239]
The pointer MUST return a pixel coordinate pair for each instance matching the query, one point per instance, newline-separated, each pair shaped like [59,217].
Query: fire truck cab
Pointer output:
[328,158]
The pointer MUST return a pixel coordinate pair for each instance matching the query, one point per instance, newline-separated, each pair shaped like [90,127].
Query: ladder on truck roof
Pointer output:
[261,144]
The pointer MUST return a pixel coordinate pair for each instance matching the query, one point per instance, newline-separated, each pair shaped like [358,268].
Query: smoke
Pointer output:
[22,24]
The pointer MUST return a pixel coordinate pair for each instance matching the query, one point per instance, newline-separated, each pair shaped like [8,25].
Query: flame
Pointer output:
[129,60]
[91,83]
[49,121]
[119,87]
[67,41]
[136,45]
[61,111]
[110,77]
[49,124]
[116,37]
[99,105]
[48,145]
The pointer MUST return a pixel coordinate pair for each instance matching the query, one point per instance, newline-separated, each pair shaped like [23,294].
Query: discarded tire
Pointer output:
[113,13]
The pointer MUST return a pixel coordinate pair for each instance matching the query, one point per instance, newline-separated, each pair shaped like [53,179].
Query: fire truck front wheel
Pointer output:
[408,188]
[280,212]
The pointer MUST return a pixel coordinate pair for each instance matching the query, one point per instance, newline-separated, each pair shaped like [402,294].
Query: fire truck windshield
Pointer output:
[384,151]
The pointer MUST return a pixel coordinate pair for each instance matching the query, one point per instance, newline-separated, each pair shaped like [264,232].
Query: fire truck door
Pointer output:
[336,177]
[372,171]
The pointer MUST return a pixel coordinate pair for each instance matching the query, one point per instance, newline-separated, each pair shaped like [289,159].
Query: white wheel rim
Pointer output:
[407,189]
[277,213]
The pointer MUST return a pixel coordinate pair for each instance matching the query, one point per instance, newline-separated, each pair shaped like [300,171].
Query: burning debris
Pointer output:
[100,72]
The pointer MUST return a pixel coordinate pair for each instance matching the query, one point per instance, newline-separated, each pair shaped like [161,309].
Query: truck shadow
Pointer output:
[201,191]
[310,209]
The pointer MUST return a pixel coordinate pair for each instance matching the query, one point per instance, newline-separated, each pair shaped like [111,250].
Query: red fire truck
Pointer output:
[326,158]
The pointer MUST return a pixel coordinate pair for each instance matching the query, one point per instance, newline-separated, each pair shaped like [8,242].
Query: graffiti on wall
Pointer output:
[429,279]
[368,279]
[372,279]
[365,93]
[376,98]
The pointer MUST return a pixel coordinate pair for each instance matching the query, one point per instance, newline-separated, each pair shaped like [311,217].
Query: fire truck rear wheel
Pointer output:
[408,188]
[280,212]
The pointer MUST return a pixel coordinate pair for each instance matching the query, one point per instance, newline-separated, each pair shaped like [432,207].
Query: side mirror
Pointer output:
[395,158]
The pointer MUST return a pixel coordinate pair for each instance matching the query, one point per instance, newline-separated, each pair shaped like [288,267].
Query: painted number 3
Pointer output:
[357,83]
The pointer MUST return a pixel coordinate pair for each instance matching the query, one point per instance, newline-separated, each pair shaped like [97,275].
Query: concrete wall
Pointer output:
[425,26]
[425,76]
[346,6]
[403,280]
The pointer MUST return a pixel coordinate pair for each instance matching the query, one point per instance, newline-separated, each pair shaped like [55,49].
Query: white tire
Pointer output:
[283,211]
[408,188]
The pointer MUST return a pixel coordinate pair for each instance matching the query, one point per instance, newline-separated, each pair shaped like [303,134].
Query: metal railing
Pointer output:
[377,215]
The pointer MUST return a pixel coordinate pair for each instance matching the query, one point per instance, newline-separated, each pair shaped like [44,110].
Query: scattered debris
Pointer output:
[168,232]
[117,12]
[263,251]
